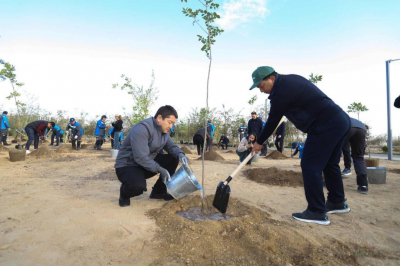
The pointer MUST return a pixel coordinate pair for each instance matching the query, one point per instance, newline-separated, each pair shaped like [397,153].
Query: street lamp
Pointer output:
[390,145]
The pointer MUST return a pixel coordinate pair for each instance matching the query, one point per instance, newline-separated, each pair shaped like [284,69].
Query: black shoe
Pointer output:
[337,207]
[312,217]
[165,196]
[124,202]
[99,148]
[7,144]
[363,189]
[95,147]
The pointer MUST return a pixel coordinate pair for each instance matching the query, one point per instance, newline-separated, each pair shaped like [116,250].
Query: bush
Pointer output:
[385,148]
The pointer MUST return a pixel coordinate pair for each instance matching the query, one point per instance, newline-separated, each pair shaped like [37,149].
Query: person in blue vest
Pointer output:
[280,136]
[4,126]
[34,130]
[100,132]
[327,126]
[76,133]
[56,132]
[117,125]
[210,140]
[298,148]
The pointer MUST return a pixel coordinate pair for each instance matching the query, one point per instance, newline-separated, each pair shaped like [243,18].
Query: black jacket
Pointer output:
[117,125]
[301,102]
[255,126]
[200,132]
[397,102]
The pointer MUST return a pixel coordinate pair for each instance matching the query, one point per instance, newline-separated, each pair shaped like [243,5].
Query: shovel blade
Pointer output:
[221,197]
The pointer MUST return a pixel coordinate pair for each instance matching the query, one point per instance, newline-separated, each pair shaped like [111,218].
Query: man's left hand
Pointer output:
[256,148]
[183,158]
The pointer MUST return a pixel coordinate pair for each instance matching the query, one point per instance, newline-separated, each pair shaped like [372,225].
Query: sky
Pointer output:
[69,53]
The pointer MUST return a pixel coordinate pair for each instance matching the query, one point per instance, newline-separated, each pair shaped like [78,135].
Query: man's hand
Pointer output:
[164,175]
[256,148]
[76,136]
[183,158]
[279,136]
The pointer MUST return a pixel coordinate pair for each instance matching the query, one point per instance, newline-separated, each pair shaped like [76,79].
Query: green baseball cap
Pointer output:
[259,74]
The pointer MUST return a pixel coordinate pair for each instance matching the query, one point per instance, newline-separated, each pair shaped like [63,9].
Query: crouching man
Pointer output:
[139,159]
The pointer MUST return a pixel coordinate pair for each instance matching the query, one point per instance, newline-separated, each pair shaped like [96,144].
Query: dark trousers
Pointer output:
[76,143]
[209,144]
[356,139]
[32,136]
[242,155]
[279,144]
[57,135]
[322,154]
[264,148]
[199,142]
[346,155]
[3,136]
[133,178]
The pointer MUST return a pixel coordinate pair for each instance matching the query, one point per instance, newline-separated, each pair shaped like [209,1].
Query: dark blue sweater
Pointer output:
[300,101]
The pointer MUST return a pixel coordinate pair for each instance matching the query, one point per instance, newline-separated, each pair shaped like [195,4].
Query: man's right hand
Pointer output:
[164,175]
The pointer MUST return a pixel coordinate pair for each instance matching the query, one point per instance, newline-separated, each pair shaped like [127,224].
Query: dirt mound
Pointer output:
[276,155]
[395,171]
[42,152]
[230,151]
[186,150]
[14,141]
[64,149]
[106,175]
[212,156]
[274,176]
[250,238]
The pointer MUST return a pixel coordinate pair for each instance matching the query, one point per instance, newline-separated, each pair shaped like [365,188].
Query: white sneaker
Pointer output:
[28,151]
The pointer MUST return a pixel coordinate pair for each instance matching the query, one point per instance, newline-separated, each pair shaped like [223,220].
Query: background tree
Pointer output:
[357,108]
[143,98]
[8,72]
[315,78]
[208,17]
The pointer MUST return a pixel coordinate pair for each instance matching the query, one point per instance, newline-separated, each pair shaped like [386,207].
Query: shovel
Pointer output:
[223,190]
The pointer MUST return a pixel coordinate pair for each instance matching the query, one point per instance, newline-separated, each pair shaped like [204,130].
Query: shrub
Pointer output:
[385,148]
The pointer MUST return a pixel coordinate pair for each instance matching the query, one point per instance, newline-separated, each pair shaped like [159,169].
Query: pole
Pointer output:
[390,145]
[188,131]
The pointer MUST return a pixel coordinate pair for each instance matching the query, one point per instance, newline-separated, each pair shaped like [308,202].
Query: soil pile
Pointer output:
[250,238]
[395,171]
[84,146]
[106,175]
[64,149]
[212,156]
[186,150]
[42,152]
[274,176]
[276,155]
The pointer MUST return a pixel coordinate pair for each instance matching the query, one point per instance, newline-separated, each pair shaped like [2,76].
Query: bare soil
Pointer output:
[274,176]
[212,156]
[186,150]
[43,152]
[396,171]
[276,155]
[64,211]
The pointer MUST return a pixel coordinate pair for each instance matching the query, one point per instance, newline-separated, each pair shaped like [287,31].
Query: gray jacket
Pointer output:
[142,145]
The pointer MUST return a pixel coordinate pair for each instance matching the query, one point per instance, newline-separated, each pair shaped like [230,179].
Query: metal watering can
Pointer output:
[182,183]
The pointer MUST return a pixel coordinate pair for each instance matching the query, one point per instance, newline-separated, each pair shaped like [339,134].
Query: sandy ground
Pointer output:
[64,211]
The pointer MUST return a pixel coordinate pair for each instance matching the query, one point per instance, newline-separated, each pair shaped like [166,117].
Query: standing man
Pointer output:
[34,130]
[76,133]
[280,136]
[56,132]
[327,126]
[100,132]
[139,159]
[255,124]
[211,138]
[117,125]
[356,140]
[4,126]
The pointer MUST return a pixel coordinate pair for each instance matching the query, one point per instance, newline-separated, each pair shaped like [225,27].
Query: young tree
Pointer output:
[315,79]
[143,98]
[208,17]
[357,108]
[8,72]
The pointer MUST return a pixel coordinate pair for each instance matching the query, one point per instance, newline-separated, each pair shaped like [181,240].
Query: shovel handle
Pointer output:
[241,165]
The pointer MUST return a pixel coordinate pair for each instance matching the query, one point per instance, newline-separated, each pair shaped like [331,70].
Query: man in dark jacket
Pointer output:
[76,133]
[198,139]
[356,140]
[223,142]
[34,130]
[327,126]
[280,136]
[138,158]
[255,124]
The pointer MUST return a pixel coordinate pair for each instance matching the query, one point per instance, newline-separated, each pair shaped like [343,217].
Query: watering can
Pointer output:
[183,183]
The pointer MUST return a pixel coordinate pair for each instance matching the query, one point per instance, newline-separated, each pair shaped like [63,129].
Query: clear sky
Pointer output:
[68,53]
